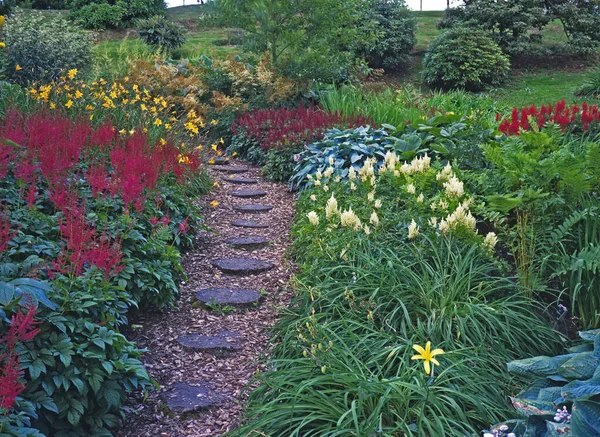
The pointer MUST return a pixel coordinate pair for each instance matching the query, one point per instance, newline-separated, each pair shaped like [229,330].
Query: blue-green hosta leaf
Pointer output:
[528,407]
[589,335]
[7,293]
[558,429]
[580,366]
[537,366]
[585,418]
[577,389]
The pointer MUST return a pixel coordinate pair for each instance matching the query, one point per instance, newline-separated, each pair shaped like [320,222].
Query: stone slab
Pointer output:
[228,296]
[187,397]
[253,208]
[251,242]
[249,224]
[242,266]
[224,341]
[218,161]
[230,169]
[248,194]
[239,180]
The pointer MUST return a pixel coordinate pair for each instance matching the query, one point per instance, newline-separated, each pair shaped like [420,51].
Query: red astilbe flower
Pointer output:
[567,117]
[22,328]
[7,231]
[277,128]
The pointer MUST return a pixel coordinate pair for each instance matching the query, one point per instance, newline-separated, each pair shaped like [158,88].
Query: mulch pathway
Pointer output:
[227,373]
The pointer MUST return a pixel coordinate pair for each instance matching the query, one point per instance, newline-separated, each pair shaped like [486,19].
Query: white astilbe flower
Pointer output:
[367,230]
[490,241]
[378,203]
[317,183]
[338,179]
[313,218]
[396,173]
[461,217]
[413,230]
[444,228]
[313,197]
[368,169]
[328,172]
[410,188]
[331,208]
[319,175]
[389,163]
[443,205]
[454,188]
[433,222]
[350,220]
[371,196]
[352,186]
[421,198]
[351,173]
[374,220]
[331,161]
[445,174]
[325,188]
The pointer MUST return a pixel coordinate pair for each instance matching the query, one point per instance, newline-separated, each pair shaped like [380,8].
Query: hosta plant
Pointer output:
[564,397]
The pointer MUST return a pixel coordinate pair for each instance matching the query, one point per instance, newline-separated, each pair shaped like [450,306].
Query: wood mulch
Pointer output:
[168,362]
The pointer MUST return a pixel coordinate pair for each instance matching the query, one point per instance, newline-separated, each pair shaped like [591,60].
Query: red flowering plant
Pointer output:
[574,118]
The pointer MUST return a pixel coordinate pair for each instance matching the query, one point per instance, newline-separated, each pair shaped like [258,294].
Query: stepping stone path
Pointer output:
[224,342]
[249,224]
[242,266]
[230,169]
[218,161]
[239,180]
[248,243]
[248,194]
[184,398]
[228,296]
[253,208]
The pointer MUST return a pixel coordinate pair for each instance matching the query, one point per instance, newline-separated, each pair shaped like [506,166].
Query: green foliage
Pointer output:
[396,26]
[280,164]
[561,385]
[161,34]
[591,88]
[312,39]
[44,49]
[100,14]
[464,58]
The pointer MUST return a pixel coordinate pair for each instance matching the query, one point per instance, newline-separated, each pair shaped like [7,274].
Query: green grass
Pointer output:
[427,29]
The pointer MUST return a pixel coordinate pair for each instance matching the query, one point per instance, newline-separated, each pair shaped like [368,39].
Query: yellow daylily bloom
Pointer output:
[2,45]
[72,73]
[69,103]
[214,203]
[18,67]
[427,356]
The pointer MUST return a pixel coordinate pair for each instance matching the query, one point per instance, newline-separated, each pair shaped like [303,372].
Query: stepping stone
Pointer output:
[253,208]
[219,344]
[248,243]
[242,266]
[231,169]
[183,397]
[218,161]
[248,194]
[228,296]
[249,224]
[240,180]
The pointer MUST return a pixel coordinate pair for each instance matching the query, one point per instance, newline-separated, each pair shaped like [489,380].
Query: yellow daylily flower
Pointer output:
[2,45]
[214,203]
[69,103]
[72,73]
[427,356]
[18,67]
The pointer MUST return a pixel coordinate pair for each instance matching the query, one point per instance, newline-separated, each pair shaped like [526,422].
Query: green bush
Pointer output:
[42,49]
[397,26]
[280,163]
[591,87]
[161,34]
[465,58]
[99,16]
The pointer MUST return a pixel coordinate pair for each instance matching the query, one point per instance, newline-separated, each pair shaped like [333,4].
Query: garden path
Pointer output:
[203,357]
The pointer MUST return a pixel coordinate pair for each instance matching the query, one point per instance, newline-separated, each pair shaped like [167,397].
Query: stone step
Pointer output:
[218,161]
[253,208]
[228,296]
[242,266]
[251,242]
[240,180]
[225,341]
[249,224]
[248,194]
[188,397]
[230,169]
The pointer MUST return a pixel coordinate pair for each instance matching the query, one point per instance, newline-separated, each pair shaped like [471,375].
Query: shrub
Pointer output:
[464,58]
[591,88]
[161,34]
[99,16]
[564,396]
[42,49]
[397,26]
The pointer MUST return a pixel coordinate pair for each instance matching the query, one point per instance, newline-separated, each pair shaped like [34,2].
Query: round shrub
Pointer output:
[41,50]
[161,34]
[99,16]
[465,58]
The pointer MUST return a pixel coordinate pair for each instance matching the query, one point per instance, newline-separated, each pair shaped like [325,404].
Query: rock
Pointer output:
[184,397]
[253,208]
[218,161]
[248,194]
[228,296]
[230,169]
[249,224]
[242,266]
[249,243]
[240,180]
[219,344]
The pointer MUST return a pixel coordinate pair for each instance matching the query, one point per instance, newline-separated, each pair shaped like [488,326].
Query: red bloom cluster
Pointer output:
[277,128]
[573,116]
[22,328]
